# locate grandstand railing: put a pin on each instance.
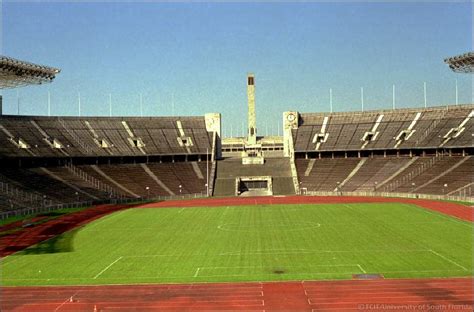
(84, 204)
(22, 198)
(90, 179)
(141, 200)
(391, 194)
(45, 209)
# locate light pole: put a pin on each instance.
(180, 189)
(445, 186)
(375, 186)
(147, 191)
(207, 172)
(49, 103)
(413, 186)
(330, 99)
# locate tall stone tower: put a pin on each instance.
(252, 120)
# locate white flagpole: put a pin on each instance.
(207, 171)
(49, 103)
(172, 103)
(424, 94)
(18, 102)
(393, 97)
(457, 102)
(110, 104)
(79, 102)
(330, 99)
(362, 97)
(141, 105)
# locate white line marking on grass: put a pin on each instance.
(181, 210)
(306, 251)
(273, 274)
(449, 260)
(286, 266)
(157, 279)
(360, 267)
(234, 227)
(271, 251)
(197, 272)
(107, 267)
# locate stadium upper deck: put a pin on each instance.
(437, 127)
(99, 136)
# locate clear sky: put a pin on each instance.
(197, 55)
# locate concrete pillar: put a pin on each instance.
(290, 122)
(213, 124)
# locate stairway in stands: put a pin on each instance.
(231, 168)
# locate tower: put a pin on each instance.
(252, 121)
(252, 153)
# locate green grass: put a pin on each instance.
(250, 243)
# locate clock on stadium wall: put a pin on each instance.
(291, 117)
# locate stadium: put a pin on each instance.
(367, 210)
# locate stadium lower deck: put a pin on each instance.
(441, 294)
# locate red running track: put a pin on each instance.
(448, 294)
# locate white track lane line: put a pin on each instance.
(66, 301)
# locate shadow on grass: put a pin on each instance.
(57, 244)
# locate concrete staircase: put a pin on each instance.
(230, 169)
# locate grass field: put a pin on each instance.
(250, 243)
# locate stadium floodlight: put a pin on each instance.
(463, 63)
(16, 73)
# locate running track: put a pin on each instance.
(447, 294)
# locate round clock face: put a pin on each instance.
(290, 117)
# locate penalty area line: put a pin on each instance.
(449, 260)
(108, 267)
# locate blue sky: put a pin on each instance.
(197, 55)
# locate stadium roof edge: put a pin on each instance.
(16, 73)
(415, 109)
(463, 63)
